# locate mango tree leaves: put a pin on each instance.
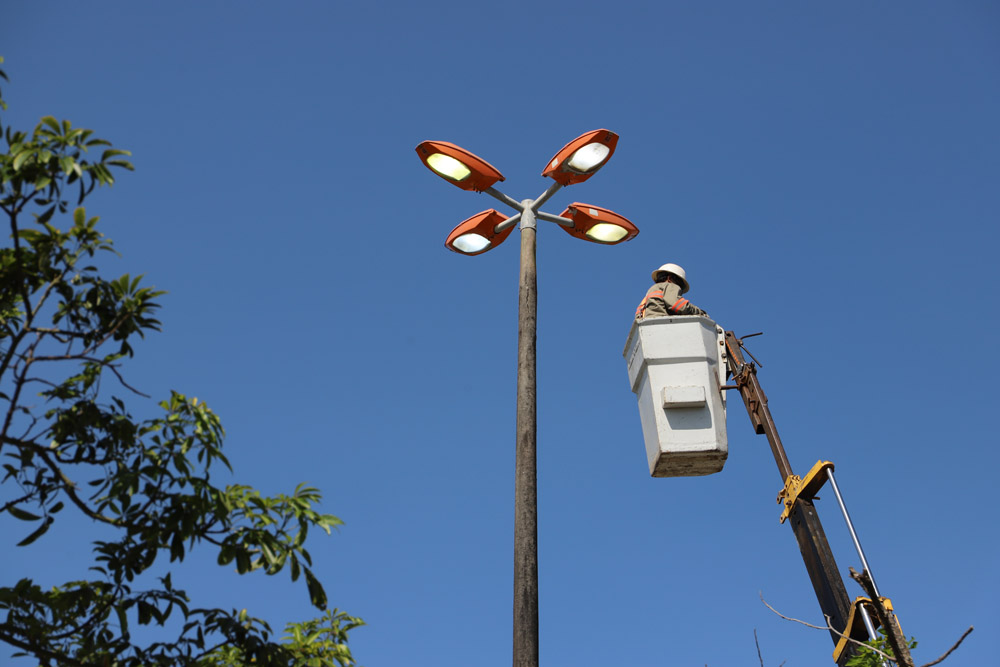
(68, 442)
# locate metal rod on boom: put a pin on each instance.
(869, 626)
(850, 527)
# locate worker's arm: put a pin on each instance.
(678, 305)
(684, 307)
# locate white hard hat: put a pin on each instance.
(675, 271)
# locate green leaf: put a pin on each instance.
(51, 122)
(47, 215)
(145, 612)
(316, 593)
(35, 535)
(22, 515)
(21, 158)
(122, 620)
(242, 562)
(111, 152)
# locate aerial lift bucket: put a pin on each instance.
(676, 368)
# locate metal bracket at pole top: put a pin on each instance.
(527, 215)
(798, 487)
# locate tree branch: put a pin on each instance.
(874, 650)
(890, 625)
(37, 651)
(18, 386)
(16, 501)
(54, 331)
(949, 651)
(69, 486)
(827, 627)
(81, 356)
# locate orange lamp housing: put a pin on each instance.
(593, 223)
(581, 158)
(478, 234)
(458, 166)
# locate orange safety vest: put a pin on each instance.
(642, 304)
(678, 305)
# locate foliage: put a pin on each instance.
(865, 658)
(70, 449)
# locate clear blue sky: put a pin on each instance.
(826, 172)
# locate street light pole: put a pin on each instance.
(526, 477)
(574, 163)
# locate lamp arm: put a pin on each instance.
(558, 219)
(552, 189)
(510, 201)
(508, 223)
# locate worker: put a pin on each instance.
(664, 298)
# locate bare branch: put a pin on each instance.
(33, 312)
(16, 501)
(826, 627)
(875, 650)
(893, 633)
(759, 656)
(16, 396)
(69, 486)
(80, 356)
(53, 331)
(125, 384)
(949, 651)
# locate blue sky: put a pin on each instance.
(826, 173)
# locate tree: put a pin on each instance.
(70, 448)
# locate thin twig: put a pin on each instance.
(948, 652)
(759, 656)
(884, 655)
(827, 627)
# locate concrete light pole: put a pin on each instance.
(525, 465)
(576, 162)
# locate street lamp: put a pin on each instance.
(479, 233)
(593, 223)
(574, 163)
(458, 166)
(581, 158)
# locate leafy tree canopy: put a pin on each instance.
(70, 449)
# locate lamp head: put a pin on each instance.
(478, 234)
(458, 166)
(598, 225)
(581, 158)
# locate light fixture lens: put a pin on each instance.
(471, 243)
(448, 167)
(605, 232)
(588, 158)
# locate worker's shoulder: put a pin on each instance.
(671, 292)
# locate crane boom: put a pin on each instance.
(816, 554)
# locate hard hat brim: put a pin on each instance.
(683, 283)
